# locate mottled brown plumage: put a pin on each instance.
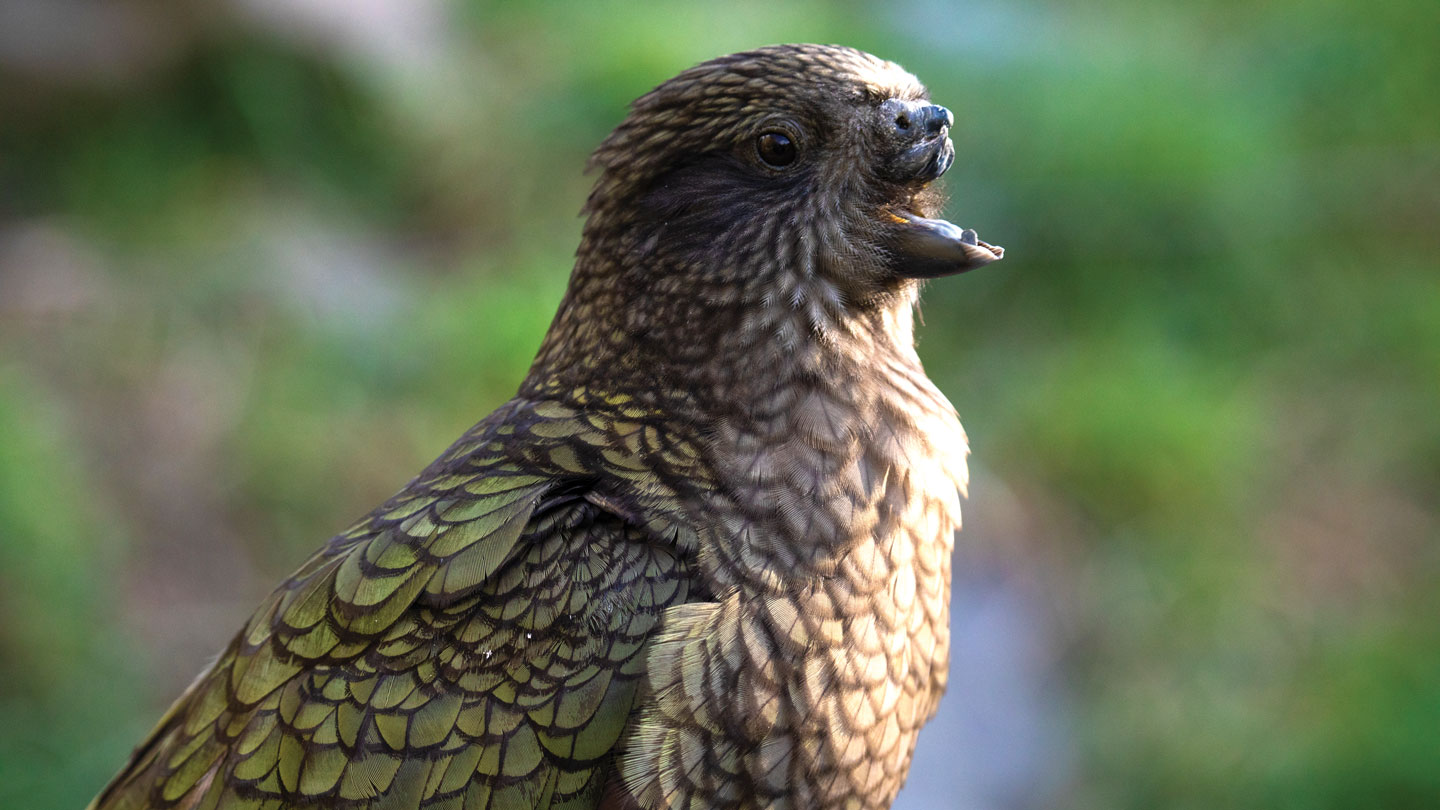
(702, 558)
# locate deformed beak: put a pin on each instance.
(918, 132)
(929, 248)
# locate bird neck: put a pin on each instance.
(814, 414)
(723, 344)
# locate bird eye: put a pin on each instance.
(776, 149)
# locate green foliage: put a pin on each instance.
(55, 626)
(249, 289)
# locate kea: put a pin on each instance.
(702, 558)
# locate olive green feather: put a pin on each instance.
(474, 642)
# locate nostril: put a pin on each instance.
(911, 120)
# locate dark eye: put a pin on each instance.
(776, 149)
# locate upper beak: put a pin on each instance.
(919, 134)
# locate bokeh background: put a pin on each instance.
(260, 260)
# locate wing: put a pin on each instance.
(474, 643)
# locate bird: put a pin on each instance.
(702, 558)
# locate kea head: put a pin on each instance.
(787, 165)
(752, 209)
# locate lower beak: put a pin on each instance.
(929, 248)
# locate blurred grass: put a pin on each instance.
(258, 275)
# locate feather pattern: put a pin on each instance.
(474, 642)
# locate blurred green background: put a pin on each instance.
(260, 260)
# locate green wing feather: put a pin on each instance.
(473, 643)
